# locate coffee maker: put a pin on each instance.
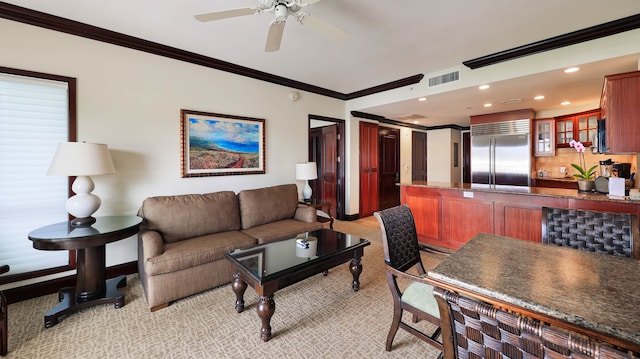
(623, 170)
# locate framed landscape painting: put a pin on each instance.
(217, 145)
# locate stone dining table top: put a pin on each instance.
(600, 292)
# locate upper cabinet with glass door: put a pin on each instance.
(581, 127)
(544, 141)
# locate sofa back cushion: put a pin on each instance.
(266, 205)
(191, 215)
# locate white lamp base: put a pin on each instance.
(306, 191)
(83, 204)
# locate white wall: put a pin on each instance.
(131, 101)
(439, 154)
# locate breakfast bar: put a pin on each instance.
(593, 295)
(448, 215)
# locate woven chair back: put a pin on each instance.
(480, 330)
(600, 232)
(399, 237)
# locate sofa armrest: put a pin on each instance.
(306, 214)
(152, 244)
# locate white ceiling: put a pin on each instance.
(388, 41)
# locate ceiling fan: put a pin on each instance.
(281, 10)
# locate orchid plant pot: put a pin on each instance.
(586, 185)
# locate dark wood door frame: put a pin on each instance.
(340, 210)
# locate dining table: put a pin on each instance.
(592, 294)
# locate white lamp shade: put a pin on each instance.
(81, 159)
(306, 171)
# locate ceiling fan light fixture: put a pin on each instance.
(281, 12)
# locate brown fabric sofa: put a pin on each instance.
(183, 238)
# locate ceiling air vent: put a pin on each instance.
(511, 101)
(443, 79)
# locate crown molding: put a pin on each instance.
(382, 119)
(572, 38)
(56, 23)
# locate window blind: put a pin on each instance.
(34, 118)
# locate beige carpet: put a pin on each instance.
(321, 317)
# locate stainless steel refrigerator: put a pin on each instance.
(501, 153)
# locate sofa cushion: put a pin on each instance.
(284, 229)
(191, 215)
(266, 205)
(196, 251)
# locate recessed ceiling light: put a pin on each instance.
(572, 69)
(422, 99)
(539, 97)
(564, 103)
(483, 87)
(416, 122)
(487, 105)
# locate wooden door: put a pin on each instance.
(315, 155)
(418, 156)
(368, 168)
(389, 163)
(329, 179)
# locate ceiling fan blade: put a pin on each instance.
(225, 14)
(321, 26)
(274, 37)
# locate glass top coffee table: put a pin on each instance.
(273, 266)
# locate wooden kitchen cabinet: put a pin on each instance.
(463, 218)
(581, 127)
(544, 137)
(620, 105)
(426, 212)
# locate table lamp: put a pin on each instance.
(306, 171)
(82, 160)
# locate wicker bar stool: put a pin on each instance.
(600, 232)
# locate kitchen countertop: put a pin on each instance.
(585, 289)
(536, 191)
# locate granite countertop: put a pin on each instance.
(534, 191)
(595, 291)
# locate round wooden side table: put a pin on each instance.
(92, 288)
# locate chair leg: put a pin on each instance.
(3, 339)
(397, 317)
(3, 326)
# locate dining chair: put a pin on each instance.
(402, 253)
(3, 317)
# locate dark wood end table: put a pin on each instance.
(324, 206)
(91, 287)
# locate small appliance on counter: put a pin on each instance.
(601, 183)
(622, 170)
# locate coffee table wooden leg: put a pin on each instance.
(239, 287)
(266, 308)
(356, 269)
